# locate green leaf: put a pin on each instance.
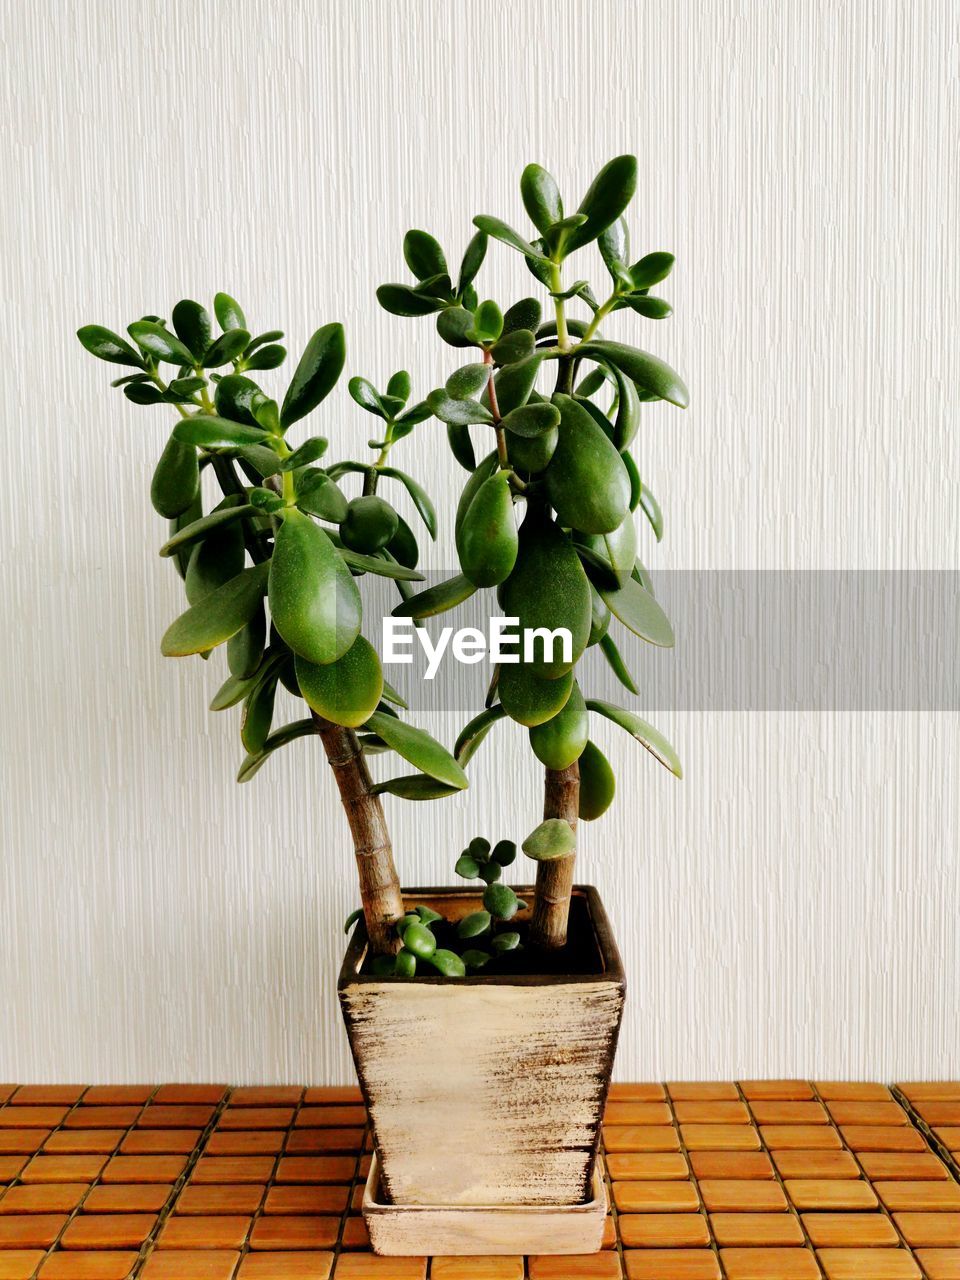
(472, 261)
(227, 347)
(245, 649)
(314, 601)
(269, 357)
(473, 925)
(541, 197)
(401, 300)
(504, 853)
(352, 919)
(346, 692)
(320, 496)
(312, 449)
(419, 748)
(233, 690)
(559, 234)
(445, 595)
(525, 314)
(514, 346)
(206, 525)
(499, 230)
(487, 322)
(448, 963)
(289, 733)
(418, 495)
(258, 713)
(648, 372)
(597, 784)
(514, 383)
(423, 255)
(192, 323)
(414, 786)
(609, 194)
(501, 901)
(427, 915)
(454, 325)
(554, 838)
(176, 480)
(316, 375)
(228, 313)
(461, 446)
(651, 269)
(530, 699)
(532, 420)
(160, 342)
(391, 695)
(472, 734)
(457, 413)
(238, 397)
(367, 396)
(649, 306)
(479, 848)
(109, 346)
(383, 568)
(216, 433)
(418, 939)
(272, 335)
(468, 868)
(218, 615)
(399, 386)
(651, 509)
(263, 460)
(645, 733)
(468, 381)
(639, 612)
(509, 940)
(473, 958)
(405, 964)
(558, 742)
(419, 412)
(628, 411)
(614, 250)
(612, 654)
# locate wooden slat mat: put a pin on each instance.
(756, 1180)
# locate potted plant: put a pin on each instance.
(483, 1023)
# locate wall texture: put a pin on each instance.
(790, 907)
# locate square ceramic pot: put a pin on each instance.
(487, 1090)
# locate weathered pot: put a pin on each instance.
(487, 1090)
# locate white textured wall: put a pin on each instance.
(792, 906)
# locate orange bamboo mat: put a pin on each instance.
(760, 1180)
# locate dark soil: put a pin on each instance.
(580, 957)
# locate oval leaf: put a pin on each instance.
(218, 615)
(314, 600)
(645, 733)
(316, 375)
(419, 748)
(554, 838)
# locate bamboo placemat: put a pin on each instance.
(756, 1180)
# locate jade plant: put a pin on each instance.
(477, 939)
(270, 548)
(255, 522)
(546, 516)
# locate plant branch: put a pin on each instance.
(551, 902)
(379, 883)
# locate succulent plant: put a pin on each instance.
(560, 453)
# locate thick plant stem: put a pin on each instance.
(379, 885)
(551, 903)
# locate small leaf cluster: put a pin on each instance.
(477, 937)
(546, 515)
(271, 564)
